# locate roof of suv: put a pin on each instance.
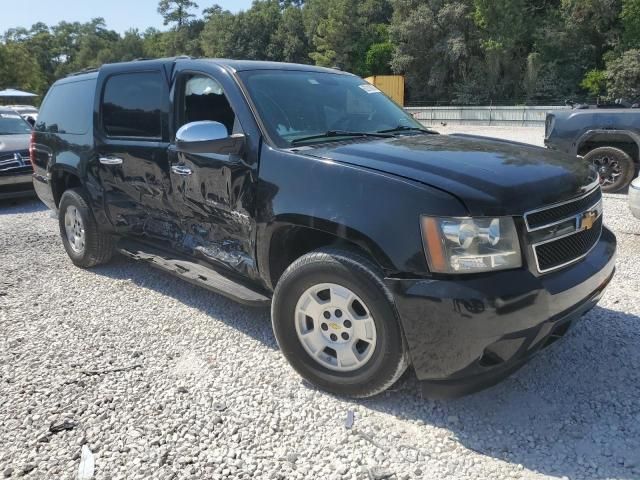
(235, 65)
(242, 65)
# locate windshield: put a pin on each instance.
(13, 124)
(296, 105)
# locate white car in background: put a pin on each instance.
(634, 197)
(28, 112)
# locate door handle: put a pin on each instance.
(181, 170)
(110, 160)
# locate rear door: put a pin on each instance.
(131, 132)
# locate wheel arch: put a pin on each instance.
(288, 239)
(63, 178)
(625, 140)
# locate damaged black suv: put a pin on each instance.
(378, 244)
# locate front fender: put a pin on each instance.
(377, 211)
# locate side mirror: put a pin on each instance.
(208, 137)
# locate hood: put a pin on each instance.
(12, 143)
(490, 176)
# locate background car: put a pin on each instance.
(15, 166)
(634, 197)
(28, 112)
(607, 138)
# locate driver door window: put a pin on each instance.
(203, 99)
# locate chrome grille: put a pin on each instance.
(540, 218)
(563, 233)
(15, 161)
(555, 254)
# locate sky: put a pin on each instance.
(120, 15)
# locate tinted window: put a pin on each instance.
(13, 124)
(132, 105)
(68, 108)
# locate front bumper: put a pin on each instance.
(14, 186)
(467, 333)
(634, 197)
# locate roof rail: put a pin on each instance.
(82, 72)
(95, 69)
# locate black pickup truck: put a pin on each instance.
(378, 244)
(609, 139)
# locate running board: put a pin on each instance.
(193, 273)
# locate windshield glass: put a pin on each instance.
(13, 124)
(294, 105)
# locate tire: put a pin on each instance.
(384, 359)
(96, 247)
(615, 167)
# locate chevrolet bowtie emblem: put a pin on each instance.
(587, 220)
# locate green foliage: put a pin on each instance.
(623, 75)
(176, 11)
(631, 23)
(595, 82)
(462, 51)
(438, 50)
(378, 59)
(19, 69)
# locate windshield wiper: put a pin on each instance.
(340, 133)
(406, 128)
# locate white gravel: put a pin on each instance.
(533, 135)
(207, 395)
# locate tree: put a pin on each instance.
(252, 34)
(595, 82)
(378, 59)
(438, 50)
(290, 39)
(18, 69)
(342, 31)
(630, 17)
(461, 51)
(623, 76)
(176, 11)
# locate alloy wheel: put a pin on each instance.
(335, 327)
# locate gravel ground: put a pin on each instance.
(533, 135)
(163, 380)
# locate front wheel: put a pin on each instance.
(615, 167)
(335, 323)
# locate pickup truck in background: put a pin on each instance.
(609, 139)
(378, 244)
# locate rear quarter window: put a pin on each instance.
(68, 108)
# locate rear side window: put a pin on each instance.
(132, 105)
(68, 108)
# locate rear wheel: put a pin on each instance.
(85, 244)
(335, 322)
(615, 167)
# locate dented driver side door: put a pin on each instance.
(213, 194)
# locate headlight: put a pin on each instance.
(470, 245)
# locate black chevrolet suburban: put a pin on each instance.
(378, 244)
